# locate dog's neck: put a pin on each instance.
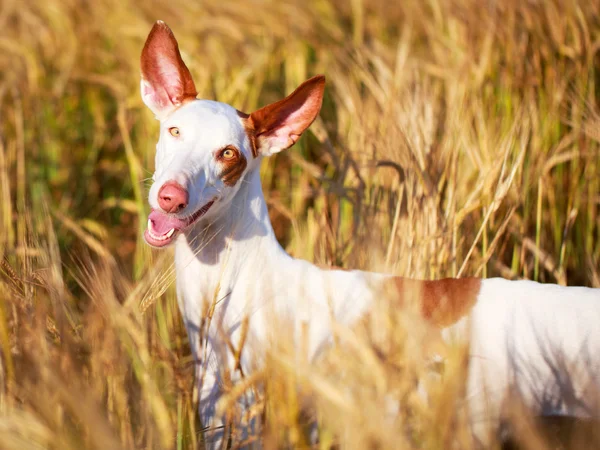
(237, 262)
(221, 252)
(243, 229)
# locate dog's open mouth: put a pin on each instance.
(163, 228)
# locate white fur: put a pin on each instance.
(542, 341)
(231, 260)
(205, 127)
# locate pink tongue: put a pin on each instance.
(162, 224)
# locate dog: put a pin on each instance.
(232, 275)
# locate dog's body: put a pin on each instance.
(233, 277)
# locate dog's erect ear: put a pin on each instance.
(166, 80)
(279, 125)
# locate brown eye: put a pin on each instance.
(227, 153)
(174, 131)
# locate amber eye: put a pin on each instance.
(174, 131)
(227, 153)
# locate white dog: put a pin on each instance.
(543, 340)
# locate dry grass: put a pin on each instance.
(456, 137)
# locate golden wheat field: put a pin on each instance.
(457, 137)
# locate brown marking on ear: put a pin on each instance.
(249, 127)
(161, 54)
(281, 124)
(443, 302)
(233, 168)
(265, 119)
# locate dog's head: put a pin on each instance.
(206, 148)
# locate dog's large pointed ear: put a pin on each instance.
(279, 125)
(166, 80)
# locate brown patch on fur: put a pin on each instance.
(442, 302)
(249, 127)
(233, 168)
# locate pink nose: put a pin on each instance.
(172, 197)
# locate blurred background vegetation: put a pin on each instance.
(457, 137)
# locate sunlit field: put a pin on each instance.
(456, 138)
